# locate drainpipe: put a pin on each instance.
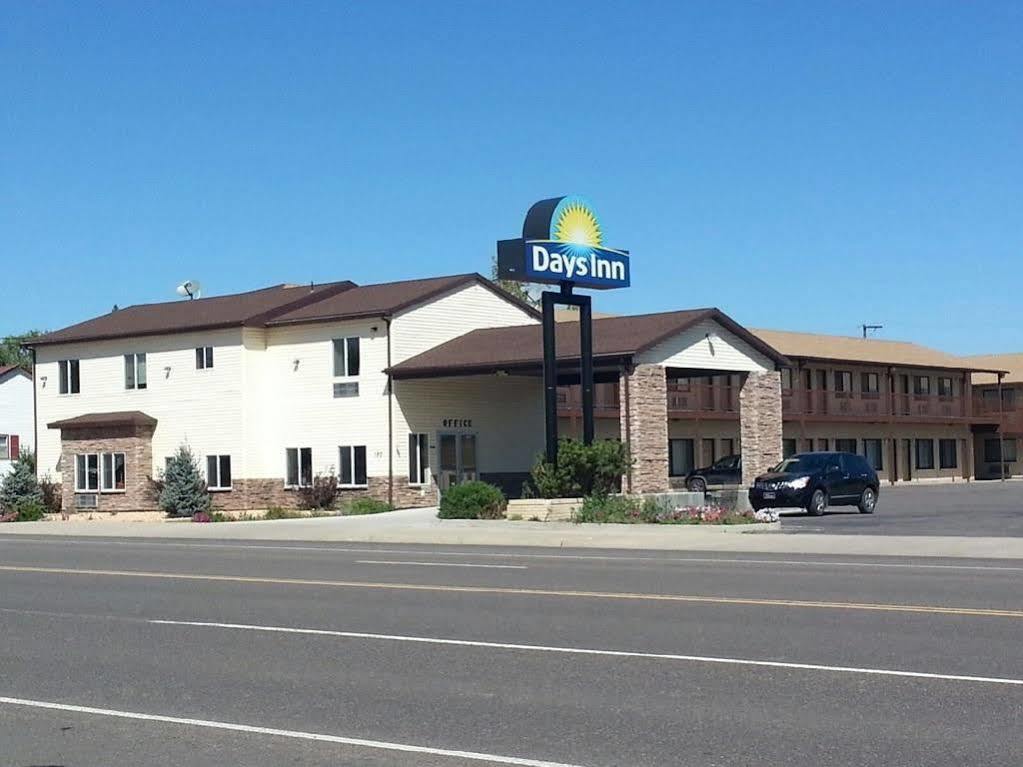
(390, 420)
(35, 413)
(624, 378)
(1001, 430)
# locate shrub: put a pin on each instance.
(321, 494)
(472, 500)
(202, 516)
(625, 510)
(277, 512)
(582, 470)
(52, 497)
(367, 506)
(29, 510)
(20, 485)
(184, 489)
(606, 509)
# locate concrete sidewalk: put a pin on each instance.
(420, 526)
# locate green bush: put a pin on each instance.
(609, 509)
(366, 506)
(582, 470)
(277, 512)
(184, 490)
(30, 510)
(20, 485)
(472, 500)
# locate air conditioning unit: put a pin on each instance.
(85, 500)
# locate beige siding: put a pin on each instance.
(693, 349)
(16, 413)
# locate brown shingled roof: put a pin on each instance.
(92, 420)
(1012, 364)
(521, 346)
(5, 369)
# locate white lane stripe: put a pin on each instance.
(296, 734)
(606, 653)
(18, 538)
(437, 564)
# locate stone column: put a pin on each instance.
(644, 427)
(760, 423)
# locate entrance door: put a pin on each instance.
(907, 454)
(708, 457)
(457, 459)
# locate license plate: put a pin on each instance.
(770, 496)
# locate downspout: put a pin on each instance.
(35, 413)
(625, 377)
(390, 420)
(1001, 430)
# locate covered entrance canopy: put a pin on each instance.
(640, 353)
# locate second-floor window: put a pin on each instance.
(70, 382)
(869, 383)
(843, 381)
(346, 357)
(203, 357)
(922, 385)
(945, 388)
(134, 371)
(786, 378)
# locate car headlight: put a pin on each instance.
(798, 483)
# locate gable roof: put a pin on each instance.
(866, 350)
(277, 305)
(1012, 364)
(521, 346)
(9, 371)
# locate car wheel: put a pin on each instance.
(818, 503)
(698, 485)
(868, 501)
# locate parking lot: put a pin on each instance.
(990, 509)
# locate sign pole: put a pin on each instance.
(550, 377)
(586, 358)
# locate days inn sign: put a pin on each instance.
(562, 244)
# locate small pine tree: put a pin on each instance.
(184, 489)
(20, 484)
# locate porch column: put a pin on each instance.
(760, 423)
(644, 426)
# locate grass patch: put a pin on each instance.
(365, 506)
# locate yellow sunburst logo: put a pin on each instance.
(577, 224)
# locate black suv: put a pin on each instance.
(727, 471)
(814, 481)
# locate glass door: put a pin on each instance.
(457, 459)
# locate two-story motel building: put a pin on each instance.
(402, 388)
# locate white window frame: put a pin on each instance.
(132, 359)
(204, 358)
(298, 464)
(64, 368)
(217, 486)
(346, 363)
(419, 449)
(112, 457)
(81, 482)
(5, 447)
(351, 459)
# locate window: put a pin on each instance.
(86, 473)
(869, 383)
(353, 466)
(346, 357)
(843, 381)
(822, 445)
(925, 453)
(204, 357)
(947, 457)
(113, 472)
(5, 447)
(134, 371)
(788, 448)
(299, 467)
(418, 459)
(786, 378)
(874, 453)
(993, 450)
(681, 457)
(845, 445)
(218, 472)
(945, 389)
(921, 385)
(70, 382)
(727, 447)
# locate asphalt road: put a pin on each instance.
(988, 509)
(186, 653)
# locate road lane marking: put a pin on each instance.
(586, 651)
(745, 601)
(437, 564)
(16, 538)
(294, 734)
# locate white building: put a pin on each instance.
(17, 431)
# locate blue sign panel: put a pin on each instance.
(551, 261)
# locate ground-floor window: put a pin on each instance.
(218, 472)
(925, 453)
(727, 447)
(822, 444)
(845, 445)
(947, 454)
(353, 466)
(681, 455)
(5, 447)
(87, 473)
(418, 459)
(874, 453)
(113, 472)
(788, 448)
(993, 450)
(99, 472)
(299, 462)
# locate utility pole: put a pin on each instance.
(867, 327)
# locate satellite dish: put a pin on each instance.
(190, 288)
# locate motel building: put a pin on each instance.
(404, 388)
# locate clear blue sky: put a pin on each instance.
(806, 166)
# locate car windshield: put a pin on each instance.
(800, 464)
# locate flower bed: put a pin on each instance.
(636, 511)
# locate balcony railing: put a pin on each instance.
(872, 404)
